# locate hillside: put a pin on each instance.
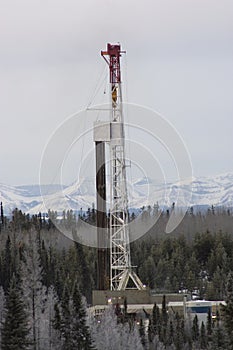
(204, 191)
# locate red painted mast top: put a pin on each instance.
(114, 53)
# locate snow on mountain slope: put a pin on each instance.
(14, 197)
(215, 190)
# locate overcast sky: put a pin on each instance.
(179, 62)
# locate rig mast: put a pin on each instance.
(122, 275)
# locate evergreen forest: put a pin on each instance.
(46, 283)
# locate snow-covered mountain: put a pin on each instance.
(204, 191)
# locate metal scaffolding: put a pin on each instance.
(121, 271)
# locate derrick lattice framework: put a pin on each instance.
(122, 275)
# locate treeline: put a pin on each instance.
(197, 257)
(194, 221)
(173, 331)
(44, 276)
(37, 313)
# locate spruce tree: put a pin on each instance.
(85, 280)
(142, 333)
(228, 311)
(57, 318)
(50, 339)
(2, 216)
(203, 340)
(7, 265)
(164, 317)
(170, 333)
(195, 329)
(80, 330)
(150, 331)
(33, 290)
(66, 318)
(15, 330)
(218, 339)
(2, 308)
(179, 332)
(56, 340)
(156, 320)
(209, 324)
(108, 333)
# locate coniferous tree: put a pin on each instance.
(80, 330)
(150, 332)
(2, 307)
(108, 333)
(49, 336)
(157, 344)
(218, 339)
(2, 217)
(33, 290)
(170, 334)
(7, 264)
(84, 270)
(15, 329)
(203, 340)
(164, 319)
(47, 279)
(56, 340)
(66, 319)
(179, 337)
(142, 333)
(228, 311)
(209, 325)
(57, 317)
(155, 323)
(195, 329)
(58, 283)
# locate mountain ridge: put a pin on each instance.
(201, 191)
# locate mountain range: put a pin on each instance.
(201, 191)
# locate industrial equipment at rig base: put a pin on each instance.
(114, 269)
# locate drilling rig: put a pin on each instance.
(116, 280)
(115, 271)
